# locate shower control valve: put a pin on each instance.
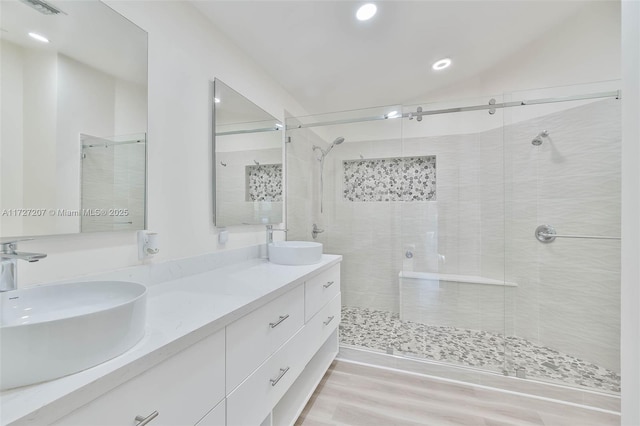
(316, 231)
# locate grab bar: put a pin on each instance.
(547, 234)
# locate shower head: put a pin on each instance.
(325, 152)
(337, 141)
(537, 141)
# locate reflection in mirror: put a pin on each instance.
(247, 161)
(113, 174)
(74, 119)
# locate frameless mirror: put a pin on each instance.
(74, 119)
(247, 161)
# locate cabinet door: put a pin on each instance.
(182, 389)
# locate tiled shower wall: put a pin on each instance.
(445, 235)
(303, 185)
(568, 296)
(493, 189)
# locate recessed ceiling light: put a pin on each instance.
(39, 37)
(216, 100)
(441, 64)
(366, 12)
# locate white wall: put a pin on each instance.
(631, 213)
(185, 53)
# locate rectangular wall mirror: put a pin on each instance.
(74, 119)
(247, 161)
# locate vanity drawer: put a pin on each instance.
(320, 289)
(182, 389)
(254, 399)
(322, 325)
(256, 336)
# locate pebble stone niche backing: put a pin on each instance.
(381, 330)
(390, 179)
(264, 182)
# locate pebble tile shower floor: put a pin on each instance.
(380, 330)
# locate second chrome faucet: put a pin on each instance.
(270, 231)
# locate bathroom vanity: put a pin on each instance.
(244, 344)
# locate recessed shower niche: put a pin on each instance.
(390, 179)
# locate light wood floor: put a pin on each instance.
(358, 395)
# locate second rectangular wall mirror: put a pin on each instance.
(248, 184)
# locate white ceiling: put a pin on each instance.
(329, 61)
(88, 31)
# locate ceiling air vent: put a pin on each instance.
(42, 7)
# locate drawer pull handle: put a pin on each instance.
(144, 420)
(329, 320)
(275, 381)
(328, 284)
(280, 319)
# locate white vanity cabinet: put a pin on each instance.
(280, 387)
(181, 389)
(259, 369)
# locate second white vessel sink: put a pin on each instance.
(295, 252)
(54, 330)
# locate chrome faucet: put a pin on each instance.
(9, 263)
(270, 232)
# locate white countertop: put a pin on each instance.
(180, 312)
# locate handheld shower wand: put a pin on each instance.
(324, 153)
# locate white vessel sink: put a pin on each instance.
(55, 330)
(295, 252)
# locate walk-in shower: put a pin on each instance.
(435, 214)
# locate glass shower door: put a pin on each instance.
(563, 177)
(453, 293)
